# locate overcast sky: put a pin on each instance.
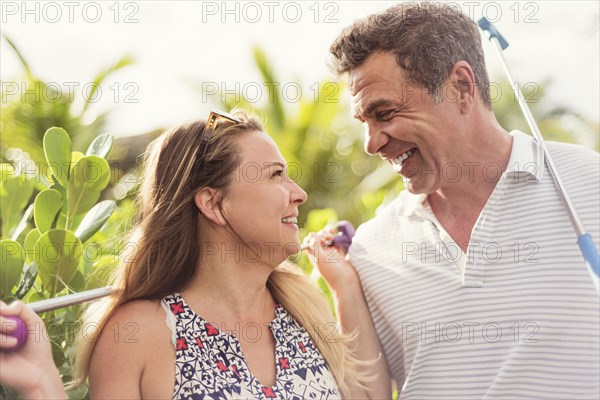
(177, 42)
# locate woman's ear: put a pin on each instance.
(207, 200)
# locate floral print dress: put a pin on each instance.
(209, 363)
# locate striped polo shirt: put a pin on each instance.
(521, 318)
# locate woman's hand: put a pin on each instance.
(331, 261)
(29, 370)
(352, 311)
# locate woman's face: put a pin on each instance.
(262, 202)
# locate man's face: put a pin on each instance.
(404, 125)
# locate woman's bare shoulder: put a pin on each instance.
(135, 330)
(139, 311)
(133, 325)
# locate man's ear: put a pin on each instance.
(207, 200)
(464, 77)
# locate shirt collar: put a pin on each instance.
(526, 157)
(413, 203)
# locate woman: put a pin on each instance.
(206, 287)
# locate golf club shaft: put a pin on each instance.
(573, 217)
(70, 299)
(584, 240)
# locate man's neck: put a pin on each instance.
(457, 205)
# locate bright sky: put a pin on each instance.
(210, 43)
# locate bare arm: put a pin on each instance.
(353, 312)
(117, 361)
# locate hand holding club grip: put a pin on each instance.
(20, 332)
(343, 238)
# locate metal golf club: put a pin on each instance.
(584, 239)
(20, 332)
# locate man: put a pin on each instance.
(473, 276)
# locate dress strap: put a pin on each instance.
(171, 319)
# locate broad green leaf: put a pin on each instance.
(15, 191)
(60, 223)
(76, 156)
(57, 148)
(57, 253)
(90, 175)
(80, 204)
(30, 239)
(33, 296)
(94, 219)
(47, 204)
(101, 146)
(77, 284)
(27, 280)
(90, 172)
(60, 324)
(58, 354)
(12, 258)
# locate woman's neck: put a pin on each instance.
(231, 288)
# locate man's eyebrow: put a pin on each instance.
(371, 107)
(270, 164)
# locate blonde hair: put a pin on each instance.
(166, 248)
(292, 289)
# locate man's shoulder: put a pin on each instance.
(575, 162)
(582, 154)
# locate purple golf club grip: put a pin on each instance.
(20, 334)
(344, 237)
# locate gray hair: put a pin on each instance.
(427, 40)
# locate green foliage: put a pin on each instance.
(13, 258)
(87, 178)
(94, 219)
(46, 207)
(57, 149)
(316, 220)
(57, 253)
(31, 106)
(15, 191)
(49, 259)
(559, 123)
